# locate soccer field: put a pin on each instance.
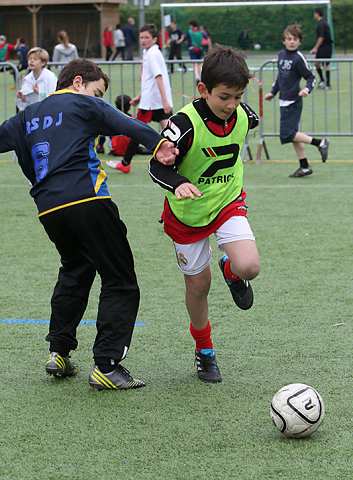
(178, 428)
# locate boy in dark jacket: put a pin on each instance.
(292, 67)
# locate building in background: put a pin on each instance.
(40, 20)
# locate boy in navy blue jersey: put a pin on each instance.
(55, 142)
(292, 67)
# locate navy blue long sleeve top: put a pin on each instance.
(292, 67)
(55, 141)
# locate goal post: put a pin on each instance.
(203, 7)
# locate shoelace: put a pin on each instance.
(206, 360)
(125, 371)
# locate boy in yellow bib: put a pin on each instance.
(204, 194)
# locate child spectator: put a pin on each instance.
(244, 41)
(205, 195)
(119, 42)
(64, 51)
(174, 44)
(322, 47)
(54, 141)
(206, 41)
(5, 48)
(166, 39)
(292, 67)
(193, 38)
(108, 42)
(22, 52)
(40, 82)
(155, 98)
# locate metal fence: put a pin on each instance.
(325, 112)
(328, 113)
(7, 82)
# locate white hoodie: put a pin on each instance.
(63, 54)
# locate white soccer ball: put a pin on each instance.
(257, 46)
(297, 410)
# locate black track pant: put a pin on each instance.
(90, 238)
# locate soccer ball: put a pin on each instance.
(297, 410)
(257, 46)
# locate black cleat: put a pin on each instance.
(206, 364)
(302, 172)
(323, 148)
(240, 289)
(59, 366)
(118, 379)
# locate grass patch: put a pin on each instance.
(179, 428)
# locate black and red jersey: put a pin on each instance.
(180, 131)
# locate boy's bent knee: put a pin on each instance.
(248, 269)
(253, 270)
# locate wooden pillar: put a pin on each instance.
(108, 15)
(34, 9)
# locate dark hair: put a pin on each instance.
(88, 70)
(223, 65)
(122, 102)
(293, 30)
(319, 11)
(22, 40)
(193, 23)
(151, 28)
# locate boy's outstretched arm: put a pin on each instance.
(165, 152)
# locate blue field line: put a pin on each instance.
(38, 322)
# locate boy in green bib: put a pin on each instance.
(204, 194)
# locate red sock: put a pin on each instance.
(202, 337)
(228, 272)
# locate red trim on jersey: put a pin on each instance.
(181, 233)
(218, 129)
(211, 152)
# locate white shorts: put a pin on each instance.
(193, 258)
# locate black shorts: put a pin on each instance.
(290, 118)
(324, 52)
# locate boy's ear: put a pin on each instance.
(202, 90)
(77, 82)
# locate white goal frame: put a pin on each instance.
(244, 4)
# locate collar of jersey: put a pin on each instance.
(64, 90)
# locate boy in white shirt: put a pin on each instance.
(40, 82)
(155, 99)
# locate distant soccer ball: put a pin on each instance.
(297, 410)
(257, 46)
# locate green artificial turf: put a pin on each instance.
(178, 428)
